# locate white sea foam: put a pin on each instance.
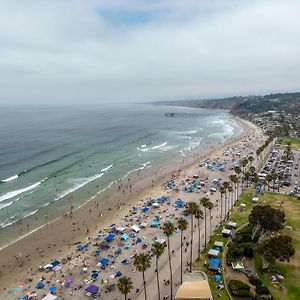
(159, 146)
(107, 168)
(143, 146)
(146, 163)
(10, 178)
(6, 204)
(21, 191)
(80, 182)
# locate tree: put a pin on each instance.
(238, 172)
(280, 178)
(157, 249)
(230, 191)
(222, 192)
(269, 179)
(251, 159)
(276, 248)
(266, 219)
(168, 229)
(210, 206)
(199, 216)
(125, 285)
(204, 202)
(142, 262)
(225, 186)
(234, 180)
(192, 207)
(182, 226)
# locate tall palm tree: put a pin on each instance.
(269, 179)
(199, 216)
(157, 249)
(125, 285)
(168, 229)
(234, 180)
(230, 192)
(210, 206)
(182, 226)
(222, 192)
(225, 186)
(245, 162)
(204, 202)
(142, 262)
(192, 207)
(251, 159)
(238, 172)
(280, 178)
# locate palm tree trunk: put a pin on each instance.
(144, 283)
(157, 278)
(210, 223)
(199, 239)
(192, 236)
(181, 234)
(170, 266)
(205, 228)
(125, 297)
(221, 208)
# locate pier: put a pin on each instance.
(194, 115)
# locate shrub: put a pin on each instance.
(255, 281)
(262, 290)
(239, 288)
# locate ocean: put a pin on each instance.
(52, 159)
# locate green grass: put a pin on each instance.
(291, 270)
(295, 142)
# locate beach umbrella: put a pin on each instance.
(104, 261)
(93, 289)
(127, 246)
(40, 285)
(138, 240)
(95, 276)
(69, 280)
(118, 274)
(52, 289)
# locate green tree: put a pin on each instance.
(192, 207)
(142, 262)
(238, 171)
(182, 226)
(230, 192)
(210, 206)
(276, 248)
(234, 180)
(225, 186)
(125, 285)
(168, 230)
(204, 202)
(222, 192)
(199, 216)
(158, 250)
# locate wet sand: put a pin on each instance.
(56, 238)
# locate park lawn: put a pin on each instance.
(295, 142)
(240, 217)
(291, 270)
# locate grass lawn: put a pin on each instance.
(295, 142)
(240, 217)
(291, 270)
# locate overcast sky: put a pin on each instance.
(72, 51)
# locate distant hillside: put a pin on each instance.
(283, 102)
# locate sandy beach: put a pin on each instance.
(57, 239)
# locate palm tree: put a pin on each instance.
(269, 179)
(142, 262)
(193, 207)
(238, 172)
(157, 249)
(251, 159)
(199, 216)
(225, 186)
(230, 191)
(280, 178)
(210, 206)
(234, 179)
(168, 229)
(222, 192)
(125, 285)
(182, 226)
(204, 201)
(247, 175)
(245, 162)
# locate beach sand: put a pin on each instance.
(57, 238)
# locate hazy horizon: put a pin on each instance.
(93, 52)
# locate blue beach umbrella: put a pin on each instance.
(40, 285)
(52, 288)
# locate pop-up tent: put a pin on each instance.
(214, 264)
(110, 237)
(92, 289)
(124, 237)
(49, 297)
(237, 266)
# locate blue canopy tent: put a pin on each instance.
(110, 237)
(155, 224)
(179, 203)
(120, 250)
(118, 274)
(104, 245)
(145, 210)
(138, 240)
(214, 264)
(53, 288)
(124, 237)
(217, 278)
(40, 285)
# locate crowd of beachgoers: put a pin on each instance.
(93, 265)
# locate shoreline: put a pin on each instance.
(48, 242)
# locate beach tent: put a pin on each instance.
(104, 261)
(237, 266)
(214, 264)
(218, 245)
(68, 280)
(217, 278)
(155, 224)
(49, 297)
(40, 285)
(126, 261)
(124, 237)
(144, 224)
(255, 200)
(52, 288)
(118, 274)
(231, 224)
(136, 228)
(95, 275)
(110, 237)
(156, 205)
(97, 252)
(213, 252)
(92, 289)
(120, 229)
(226, 232)
(104, 245)
(127, 246)
(138, 240)
(196, 290)
(145, 210)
